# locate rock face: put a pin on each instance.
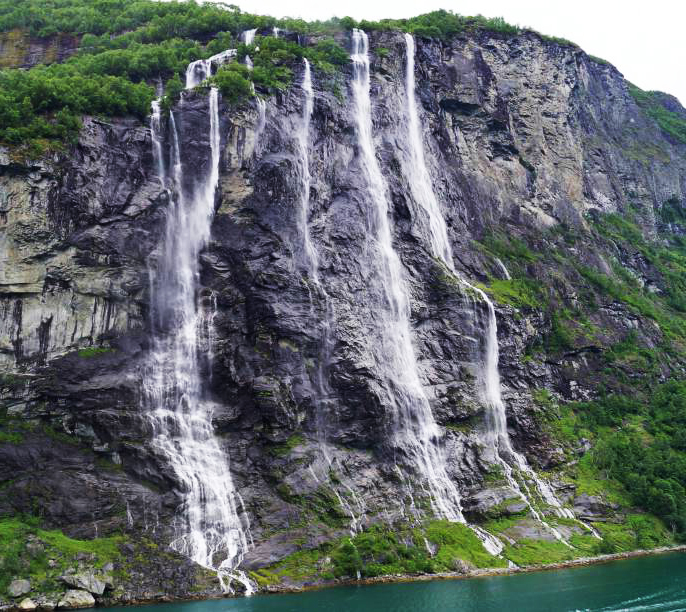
(86, 581)
(519, 133)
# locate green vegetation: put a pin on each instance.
(670, 123)
(94, 351)
(534, 552)
(383, 550)
(126, 45)
(282, 450)
(15, 560)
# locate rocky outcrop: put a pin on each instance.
(74, 599)
(519, 133)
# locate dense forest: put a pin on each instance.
(126, 50)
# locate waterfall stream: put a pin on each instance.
(198, 71)
(415, 432)
(496, 420)
(209, 529)
(311, 262)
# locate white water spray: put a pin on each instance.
(198, 71)
(248, 36)
(209, 529)
(415, 431)
(497, 435)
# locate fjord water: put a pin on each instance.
(648, 583)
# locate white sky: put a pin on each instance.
(645, 40)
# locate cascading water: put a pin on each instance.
(209, 529)
(415, 431)
(198, 71)
(303, 136)
(310, 258)
(422, 191)
(248, 36)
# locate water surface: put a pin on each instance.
(646, 583)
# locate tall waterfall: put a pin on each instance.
(209, 529)
(420, 182)
(415, 431)
(303, 136)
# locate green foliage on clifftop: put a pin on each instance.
(670, 123)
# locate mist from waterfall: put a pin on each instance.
(496, 419)
(209, 529)
(415, 432)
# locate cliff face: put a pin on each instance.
(523, 138)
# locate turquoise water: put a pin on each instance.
(647, 583)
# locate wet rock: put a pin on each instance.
(75, 598)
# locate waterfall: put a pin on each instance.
(275, 32)
(415, 431)
(503, 269)
(303, 137)
(209, 529)
(156, 132)
(198, 71)
(248, 36)
(496, 421)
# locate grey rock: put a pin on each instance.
(19, 587)
(88, 581)
(27, 604)
(75, 598)
(593, 506)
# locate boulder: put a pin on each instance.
(592, 506)
(27, 604)
(75, 598)
(87, 580)
(492, 503)
(19, 587)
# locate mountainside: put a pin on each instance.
(308, 324)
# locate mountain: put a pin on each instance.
(353, 300)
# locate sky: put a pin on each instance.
(645, 40)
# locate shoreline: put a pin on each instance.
(398, 578)
(395, 578)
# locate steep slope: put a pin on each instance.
(560, 192)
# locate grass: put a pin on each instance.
(94, 351)
(458, 542)
(15, 562)
(285, 449)
(516, 292)
(535, 552)
(383, 550)
(670, 123)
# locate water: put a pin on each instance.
(648, 583)
(497, 435)
(303, 139)
(208, 528)
(198, 71)
(248, 36)
(415, 432)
